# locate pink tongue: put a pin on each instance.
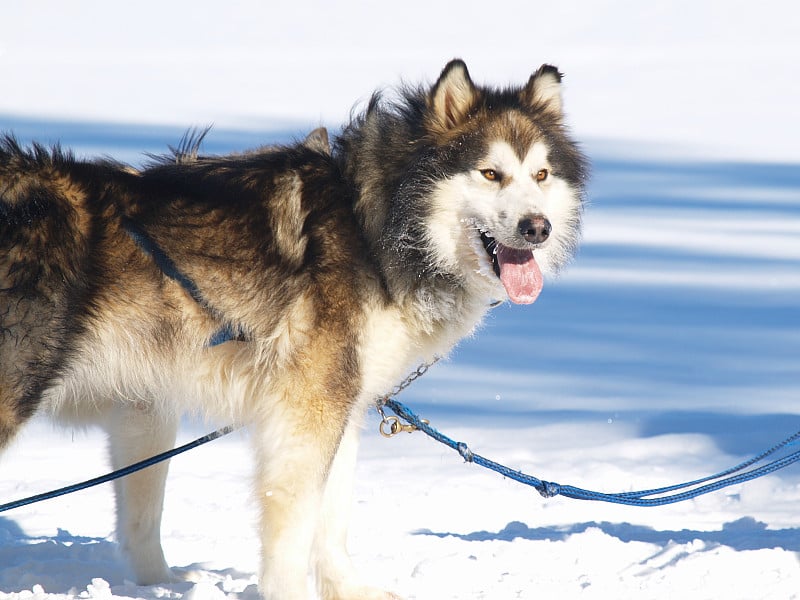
(520, 274)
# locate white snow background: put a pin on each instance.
(669, 350)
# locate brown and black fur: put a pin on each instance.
(325, 262)
(70, 275)
(65, 256)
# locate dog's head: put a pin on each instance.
(509, 204)
(467, 189)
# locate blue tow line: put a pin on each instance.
(548, 489)
(143, 464)
(654, 497)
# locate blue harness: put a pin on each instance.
(228, 332)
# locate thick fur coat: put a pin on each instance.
(338, 268)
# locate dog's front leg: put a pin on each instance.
(294, 453)
(336, 578)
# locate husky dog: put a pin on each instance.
(337, 268)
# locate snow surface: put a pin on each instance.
(669, 350)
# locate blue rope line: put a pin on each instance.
(653, 497)
(149, 462)
(548, 489)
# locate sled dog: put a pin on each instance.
(336, 266)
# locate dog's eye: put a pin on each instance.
(490, 174)
(542, 174)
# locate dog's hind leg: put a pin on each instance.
(21, 385)
(135, 434)
(46, 241)
(9, 422)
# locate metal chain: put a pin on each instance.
(391, 426)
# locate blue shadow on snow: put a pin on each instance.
(743, 534)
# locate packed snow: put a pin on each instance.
(669, 349)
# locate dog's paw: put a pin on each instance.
(377, 594)
(361, 593)
(371, 594)
(159, 576)
(190, 574)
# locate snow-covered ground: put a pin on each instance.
(669, 350)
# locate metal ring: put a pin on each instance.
(393, 423)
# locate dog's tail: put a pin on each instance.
(45, 234)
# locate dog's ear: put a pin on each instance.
(452, 96)
(318, 140)
(543, 91)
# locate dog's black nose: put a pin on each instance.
(535, 229)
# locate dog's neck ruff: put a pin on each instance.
(162, 260)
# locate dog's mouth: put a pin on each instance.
(517, 269)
